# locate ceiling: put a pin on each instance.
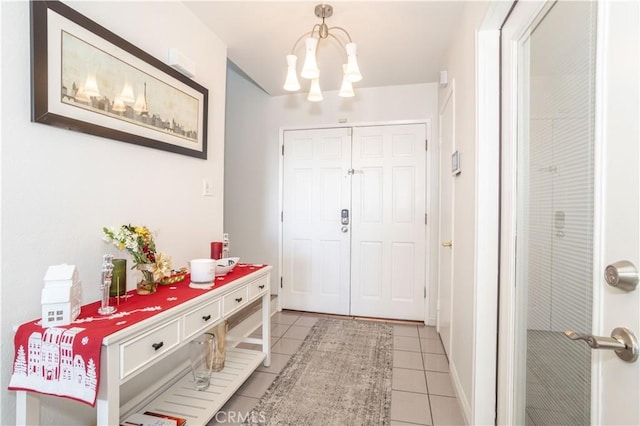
(399, 42)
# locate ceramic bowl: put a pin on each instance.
(226, 265)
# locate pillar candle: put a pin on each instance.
(119, 278)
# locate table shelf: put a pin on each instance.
(198, 407)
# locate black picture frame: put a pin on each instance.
(170, 112)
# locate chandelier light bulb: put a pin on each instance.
(291, 83)
(310, 68)
(353, 71)
(315, 94)
(346, 90)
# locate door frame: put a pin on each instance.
(431, 202)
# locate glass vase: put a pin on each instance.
(146, 284)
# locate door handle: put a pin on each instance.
(447, 244)
(622, 341)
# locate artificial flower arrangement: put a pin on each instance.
(138, 241)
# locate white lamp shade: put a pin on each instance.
(310, 68)
(353, 71)
(346, 90)
(315, 94)
(291, 83)
(91, 86)
(127, 94)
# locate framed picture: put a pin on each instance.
(455, 163)
(88, 79)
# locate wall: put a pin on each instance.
(461, 67)
(252, 153)
(59, 188)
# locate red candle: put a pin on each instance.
(216, 250)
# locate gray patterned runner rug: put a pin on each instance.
(341, 376)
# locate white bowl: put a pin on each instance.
(225, 265)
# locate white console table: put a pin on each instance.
(134, 349)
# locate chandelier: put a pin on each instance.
(310, 70)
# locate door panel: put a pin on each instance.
(316, 253)
(388, 230)
(570, 108)
(384, 274)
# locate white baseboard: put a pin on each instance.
(465, 407)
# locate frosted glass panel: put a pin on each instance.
(555, 219)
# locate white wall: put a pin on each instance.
(252, 153)
(59, 188)
(461, 67)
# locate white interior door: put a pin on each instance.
(388, 224)
(316, 253)
(445, 263)
(571, 206)
(374, 263)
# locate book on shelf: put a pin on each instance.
(148, 419)
(179, 421)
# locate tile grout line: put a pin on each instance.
(424, 373)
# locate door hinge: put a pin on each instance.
(281, 216)
(425, 292)
(426, 144)
(280, 282)
(283, 150)
(425, 218)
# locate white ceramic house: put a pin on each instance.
(61, 295)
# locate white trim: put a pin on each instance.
(599, 189)
(518, 22)
(487, 188)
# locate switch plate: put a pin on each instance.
(206, 188)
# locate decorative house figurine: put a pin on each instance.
(61, 295)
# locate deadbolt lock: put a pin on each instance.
(622, 274)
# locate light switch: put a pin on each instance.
(207, 191)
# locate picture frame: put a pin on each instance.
(455, 163)
(87, 79)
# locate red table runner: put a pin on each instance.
(65, 360)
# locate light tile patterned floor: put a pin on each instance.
(422, 393)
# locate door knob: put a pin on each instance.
(622, 341)
(622, 274)
(447, 244)
(345, 229)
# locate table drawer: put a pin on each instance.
(201, 318)
(137, 353)
(235, 300)
(258, 287)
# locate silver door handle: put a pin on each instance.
(622, 341)
(345, 229)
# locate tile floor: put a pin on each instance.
(421, 394)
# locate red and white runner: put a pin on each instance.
(65, 361)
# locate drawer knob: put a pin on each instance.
(206, 317)
(261, 286)
(157, 346)
(239, 299)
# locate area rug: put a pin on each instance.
(341, 375)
